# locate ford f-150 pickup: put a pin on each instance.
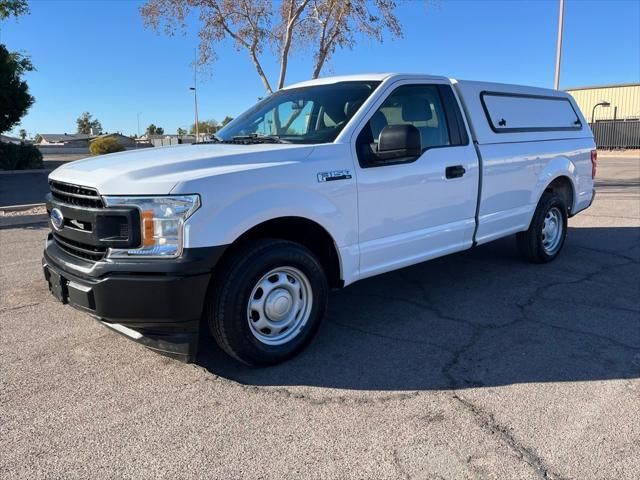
(317, 186)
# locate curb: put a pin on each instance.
(31, 170)
(19, 208)
(23, 221)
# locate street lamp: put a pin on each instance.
(556, 83)
(195, 90)
(602, 103)
(195, 99)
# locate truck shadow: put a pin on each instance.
(478, 318)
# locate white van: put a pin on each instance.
(319, 185)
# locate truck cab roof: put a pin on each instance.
(365, 77)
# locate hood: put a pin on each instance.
(156, 171)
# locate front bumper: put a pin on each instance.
(156, 303)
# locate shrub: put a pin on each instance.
(100, 146)
(19, 157)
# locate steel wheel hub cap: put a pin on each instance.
(552, 227)
(279, 306)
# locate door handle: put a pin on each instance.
(454, 172)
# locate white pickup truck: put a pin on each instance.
(319, 185)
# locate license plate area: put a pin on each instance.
(57, 285)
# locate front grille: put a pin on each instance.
(75, 195)
(124, 230)
(89, 228)
(80, 250)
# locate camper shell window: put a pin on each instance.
(513, 112)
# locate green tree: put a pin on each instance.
(181, 131)
(15, 99)
(206, 126)
(86, 123)
(226, 120)
(153, 130)
(13, 8)
(22, 133)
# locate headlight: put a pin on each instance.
(161, 223)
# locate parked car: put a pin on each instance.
(319, 185)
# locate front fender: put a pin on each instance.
(223, 224)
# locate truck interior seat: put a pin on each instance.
(416, 111)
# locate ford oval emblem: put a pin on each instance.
(57, 220)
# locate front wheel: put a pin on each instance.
(545, 237)
(267, 301)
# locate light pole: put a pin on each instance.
(559, 49)
(195, 91)
(603, 103)
(195, 99)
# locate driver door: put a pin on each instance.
(418, 208)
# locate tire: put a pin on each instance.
(540, 245)
(288, 289)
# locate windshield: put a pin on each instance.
(313, 114)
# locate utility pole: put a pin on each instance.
(195, 91)
(559, 50)
(138, 115)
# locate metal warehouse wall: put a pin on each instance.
(625, 97)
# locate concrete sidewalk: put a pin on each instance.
(620, 153)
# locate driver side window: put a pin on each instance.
(416, 105)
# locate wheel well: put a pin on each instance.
(304, 232)
(563, 187)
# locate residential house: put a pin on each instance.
(14, 140)
(77, 140)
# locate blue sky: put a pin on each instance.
(97, 56)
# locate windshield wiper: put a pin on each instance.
(257, 138)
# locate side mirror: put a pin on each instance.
(398, 142)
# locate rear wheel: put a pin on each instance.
(544, 239)
(267, 301)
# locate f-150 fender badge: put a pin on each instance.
(334, 175)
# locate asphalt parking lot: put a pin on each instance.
(476, 365)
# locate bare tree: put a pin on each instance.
(291, 13)
(337, 22)
(206, 126)
(260, 26)
(246, 22)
